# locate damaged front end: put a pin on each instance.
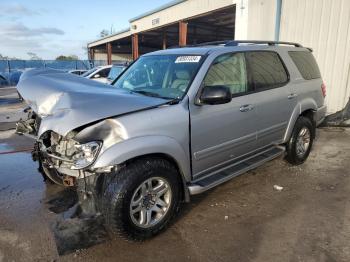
(69, 159)
(30, 126)
(67, 162)
(67, 155)
(62, 159)
(73, 121)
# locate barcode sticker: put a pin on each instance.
(188, 59)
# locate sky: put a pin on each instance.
(50, 28)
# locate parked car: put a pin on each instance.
(77, 71)
(116, 70)
(177, 123)
(98, 73)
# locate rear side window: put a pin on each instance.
(266, 69)
(306, 64)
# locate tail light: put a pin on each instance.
(323, 88)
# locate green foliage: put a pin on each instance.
(69, 57)
(33, 56)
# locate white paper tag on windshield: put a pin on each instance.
(188, 59)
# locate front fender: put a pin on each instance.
(140, 146)
(302, 106)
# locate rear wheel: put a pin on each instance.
(140, 200)
(300, 143)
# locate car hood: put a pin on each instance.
(65, 101)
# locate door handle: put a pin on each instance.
(291, 96)
(246, 108)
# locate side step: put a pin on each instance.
(238, 168)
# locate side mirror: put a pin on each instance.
(97, 76)
(215, 95)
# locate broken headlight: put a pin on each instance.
(86, 154)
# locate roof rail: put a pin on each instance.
(260, 42)
(237, 42)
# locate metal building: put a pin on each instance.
(323, 25)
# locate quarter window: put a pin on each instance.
(229, 70)
(266, 69)
(306, 64)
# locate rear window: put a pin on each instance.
(306, 64)
(266, 69)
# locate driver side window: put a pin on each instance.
(229, 70)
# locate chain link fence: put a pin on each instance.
(10, 70)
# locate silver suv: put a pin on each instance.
(175, 123)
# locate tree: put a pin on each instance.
(69, 57)
(33, 56)
(8, 58)
(104, 33)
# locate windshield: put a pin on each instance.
(164, 76)
(89, 72)
(115, 71)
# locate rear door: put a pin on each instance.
(276, 101)
(221, 133)
(310, 83)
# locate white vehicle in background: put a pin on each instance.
(116, 70)
(77, 71)
(98, 73)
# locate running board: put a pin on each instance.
(238, 168)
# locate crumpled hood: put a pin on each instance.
(66, 101)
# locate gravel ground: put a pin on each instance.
(245, 219)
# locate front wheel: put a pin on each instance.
(300, 143)
(140, 200)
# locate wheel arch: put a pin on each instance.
(185, 195)
(306, 108)
(149, 147)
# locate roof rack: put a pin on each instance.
(237, 42)
(259, 42)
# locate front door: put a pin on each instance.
(221, 133)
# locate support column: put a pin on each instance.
(92, 54)
(135, 46)
(164, 39)
(182, 33)
(195, 40)
(109, 53)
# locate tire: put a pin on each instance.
(295, 154)
(124, 186)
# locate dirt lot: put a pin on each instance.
(245, 219)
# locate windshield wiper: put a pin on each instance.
(148, 93)
(174, 101)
